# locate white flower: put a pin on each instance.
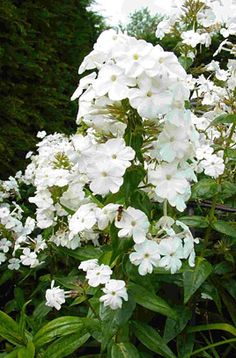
(171, 184)
(98, 275)
(146, 256)
(14, 264)
(135, 57)
(173, 143)
(106, 215)
(189, 241)
(191, 38)
(116, 150)
(2, 257)
(84, 84)
(4, 212)
(213, 166)
(41, 134)
(115, 291)
(113, 82)
(204, 152)
(88, 265)
(55, 296)
(151, 98)
(5, 245)
(172, 251)
(105, 177)
(133, 223)
(83, 219)
(29, 258)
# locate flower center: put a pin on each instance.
(146, 255)
(133, 223)
(104, 174)
(114, 156)
(113, 293)
(168, 177)
(135, 56)
(113, 78)
(149, 94)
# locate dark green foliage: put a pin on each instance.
(42, 44)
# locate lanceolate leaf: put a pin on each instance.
(174, 327)
(61, 326)
(10, 330)
(225, 228)
(194, 221)
(151, 339)
(151, 301)
(27, 352)
(195, 276)
(64, 346)
(113, 320)
(224, 118)
(124, 350)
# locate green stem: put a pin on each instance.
(92, 309)
(210, 219)
(229, 139)
(227, 341)
(165, 208)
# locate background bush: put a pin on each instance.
(42, 43)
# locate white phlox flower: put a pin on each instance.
(115, 291)
(55, 296)
(171, 251)
(146, 256)
(133, 223)
(98, 275)
(83, 219)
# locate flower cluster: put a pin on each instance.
(114, 290)
(166, 249)
(135, 136)
(197, 22)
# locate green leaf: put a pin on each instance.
(112, 321)
(151, 301)
(228, 190)
(174, 327)
(132, 179)
(9, 329)
(83, 253)
(214, 326)
(140, 200)
(58, 327)
(185, 344)
(185, 61)
(23, 317)
(27, 352)
(194, 221)
(231, 153)
(195, 276)
(224, 118)
(124, 350)
(151, 339)
(65, 346)
(225, 228)
(205, 189)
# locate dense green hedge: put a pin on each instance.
(42, 43)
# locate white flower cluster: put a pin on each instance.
(166, 249)
(77, 179)
(97, 275)
(156, 86)
(212, 17)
